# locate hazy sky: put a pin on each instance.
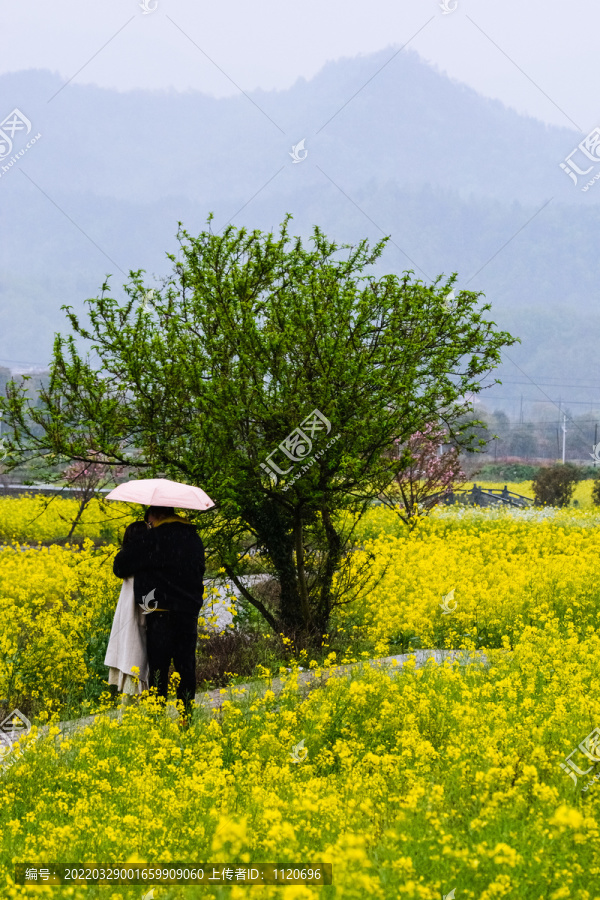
(497, 48)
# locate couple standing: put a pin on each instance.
(156, 620)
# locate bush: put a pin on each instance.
(554, 486)
(233, 653)
(596, 491)
(588, 473)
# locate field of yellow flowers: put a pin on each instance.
(32, 518)
(501, 570)
(582, 494)
(415, 782)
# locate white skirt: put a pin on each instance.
(126, 684)
(127, 645)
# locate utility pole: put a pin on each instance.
(595, 443)
(564, 430)
(521, 414)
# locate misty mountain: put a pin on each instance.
(460, 182)
(409, 123)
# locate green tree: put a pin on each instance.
(257, 354)
(523, 441)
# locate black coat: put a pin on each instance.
(169, 559)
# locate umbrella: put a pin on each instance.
(161, 492)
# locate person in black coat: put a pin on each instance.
(168, 564)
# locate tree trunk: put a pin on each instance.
(303, 590)
(302, 617)
(82, 505)
(274, 534)
(332, 562)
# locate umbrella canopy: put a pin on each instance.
(161, 492)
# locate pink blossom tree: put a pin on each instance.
(86, 479)
(429, 474)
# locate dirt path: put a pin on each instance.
(308, 680)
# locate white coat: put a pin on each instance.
(127, 644)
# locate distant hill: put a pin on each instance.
(454, 177)
(409, 124)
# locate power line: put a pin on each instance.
(553, 377)
(593, 387)
(551, 423)
(515, 399)
(25, 362)
(549, 399)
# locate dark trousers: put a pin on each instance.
(170, 636)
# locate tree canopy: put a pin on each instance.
(274, 374)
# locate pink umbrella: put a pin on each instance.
(161, 492)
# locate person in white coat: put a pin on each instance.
(126, 649)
